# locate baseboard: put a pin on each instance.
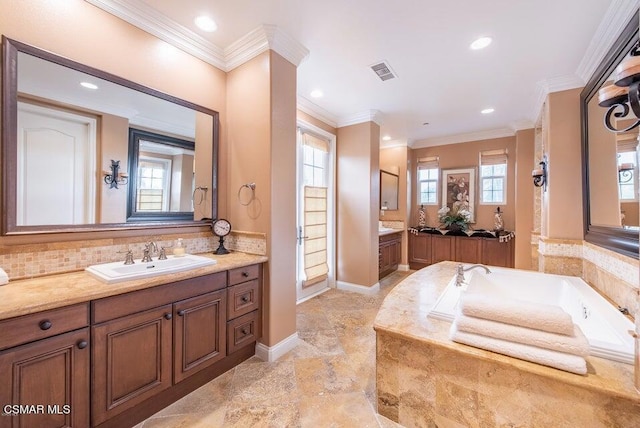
(272, 353)
(304, 299)
(403, 268)
(357, 288)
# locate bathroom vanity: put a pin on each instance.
(389, 252)
(110, 355)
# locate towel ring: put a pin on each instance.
(203, 194)
(252, 187)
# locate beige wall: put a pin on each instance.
(114, 137)
(562, 202)
(396, 159)
(466, 155)
(315, 122)
(631, 215)
(358, 202)
(525, 145)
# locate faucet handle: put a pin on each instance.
(163, 254)
(128, 258)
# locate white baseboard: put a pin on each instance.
(272, 353)
(403, 268)
(357, 288)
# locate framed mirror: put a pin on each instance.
(388, 191)
(63, 125)
(610, 160)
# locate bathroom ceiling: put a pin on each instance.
(537, 46)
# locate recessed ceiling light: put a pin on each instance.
(317, 93)
(386, 138)
(480, 43)
(88, 85)
(487, 111)
(205, 23)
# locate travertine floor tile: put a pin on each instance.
(338, 410)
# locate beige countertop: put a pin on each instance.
(389, 231)
(404, 313)
(27, 296)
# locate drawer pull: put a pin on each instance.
(168, 316)
(244, 299)
(181, 312)
(244, 331)
(245, 274)
(45, 325)
(82, 344)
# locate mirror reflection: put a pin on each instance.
(72, 121)
(388, 191)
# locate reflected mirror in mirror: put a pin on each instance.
(65, 122)
(388, 191)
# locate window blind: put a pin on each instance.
(428, 162)
(629, 144)
(493, 157)
(315, 142)
(316, 268)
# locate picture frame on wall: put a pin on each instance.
(459, 190)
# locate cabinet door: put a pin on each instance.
(442, 248)
(468, 250)
(396, 253)
(496, 253)
(52, 373)
(131, 361)
(419, 250)
(200, 333)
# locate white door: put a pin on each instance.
(56, 167)
(315, 201)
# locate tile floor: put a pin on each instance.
(328, 380)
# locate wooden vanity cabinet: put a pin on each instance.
(52, 372)
(389, 253)
(244, 316)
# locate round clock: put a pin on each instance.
(221, 228)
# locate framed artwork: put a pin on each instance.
(459, 190)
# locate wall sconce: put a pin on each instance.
(625, 172)
(624, 94)
(540, 174)
(115, 177)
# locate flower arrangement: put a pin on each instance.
(454, 219)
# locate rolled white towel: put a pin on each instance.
(539, 316)
(576, 344)
(558, 360)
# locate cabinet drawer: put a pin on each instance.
(243, 298)
(247, 273)
(28, 328)
(242, 331)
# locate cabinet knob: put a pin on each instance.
(245, 274)
(181, 312)
(244, 331)
(82, 344)
(244, 299)
(45, 325)
(168, 316)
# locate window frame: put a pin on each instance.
(633, 181)
(419, 182)
(493, 177)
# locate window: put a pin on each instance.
(428, 172)
(153, 175)
(627, 170)
(314, 164)
(493, 174)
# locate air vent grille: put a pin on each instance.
(383, 71)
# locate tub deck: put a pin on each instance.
(423, 378)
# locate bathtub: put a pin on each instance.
(604, 326)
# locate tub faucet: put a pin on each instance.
(460, 270)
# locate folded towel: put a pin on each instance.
(558, 360)
(576, 344)
(539, 316)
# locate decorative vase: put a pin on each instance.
(498, 223)
(455, 227)
(422, 217)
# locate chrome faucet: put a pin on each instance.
(460, 270)
(150, 248)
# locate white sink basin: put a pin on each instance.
(118, 271)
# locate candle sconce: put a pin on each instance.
(115, 177)
(540, 174)
(625, 172)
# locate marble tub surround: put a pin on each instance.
(27, 296)
(33, 260)
(424, 379)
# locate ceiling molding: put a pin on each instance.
(393, 144)
(139, 14)
(313, 110)
(521, 124)
(464, 138)
(362, 117)
(619, 13)
(548, 86)
(143, 16)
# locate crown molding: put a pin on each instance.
(313, 110)
(261, 39)
(393, 144)
(139, 14)
(362, 117)
(265, 37)
(548, 86)
(464, 138)
(619, 13)
(521, 124)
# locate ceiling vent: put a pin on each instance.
(383, 71)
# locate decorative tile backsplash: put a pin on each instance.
(28, 261)
(393, 224)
